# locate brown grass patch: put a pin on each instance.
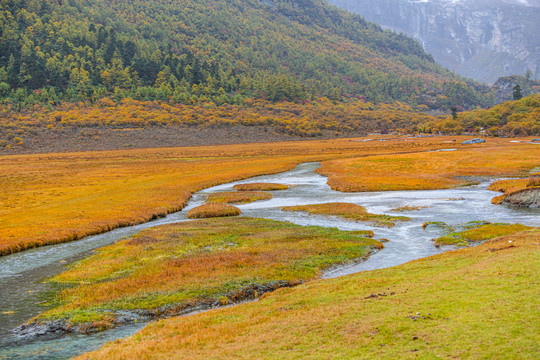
(238, 197)
(213, 210)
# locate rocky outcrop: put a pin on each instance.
(481, 39)
(525, 198)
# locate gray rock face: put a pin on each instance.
(473, 141)
(526, 198)
(481, 39)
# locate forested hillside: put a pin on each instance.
(511, 118)
(212, 51)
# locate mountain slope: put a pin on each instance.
(224, 51)
(482, 39)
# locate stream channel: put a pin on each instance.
(23, 290)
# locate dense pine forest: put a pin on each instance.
(213, 52)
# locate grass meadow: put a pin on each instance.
(58, 197)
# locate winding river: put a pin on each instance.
(23, 292)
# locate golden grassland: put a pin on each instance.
(52, 198)
(238, 197)
(348, 211)
(430, 170)
(260, 187)
(200, 262)
(481, 233)
(512, 186)
(479, 302)
(213, 210)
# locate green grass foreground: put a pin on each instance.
(474, 303)
(348, 211)
(173, 268)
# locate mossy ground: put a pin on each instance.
(348, 211)
(479, 302)
(191, 262)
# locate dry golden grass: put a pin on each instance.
(212, 211)
(348, 211)
(51, 198)
(430, 170)
(238, 197)
(260, 187)
(479, 303)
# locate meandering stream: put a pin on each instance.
(22, 274)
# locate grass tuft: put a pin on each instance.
(212, 211)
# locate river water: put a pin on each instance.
(23, 291)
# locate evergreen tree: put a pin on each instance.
(517, 92)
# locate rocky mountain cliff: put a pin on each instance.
(481, 39)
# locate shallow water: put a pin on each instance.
(22, 274)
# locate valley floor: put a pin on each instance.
(472, 303)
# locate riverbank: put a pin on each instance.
(478, 302)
